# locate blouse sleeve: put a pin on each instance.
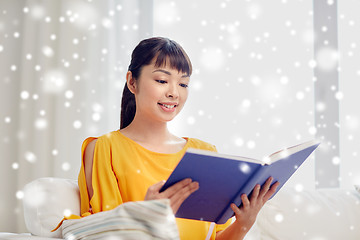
(221, 227)
(106, 193)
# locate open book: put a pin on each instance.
(224, 178)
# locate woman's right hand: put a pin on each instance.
(177, 193)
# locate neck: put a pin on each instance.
(147, 131)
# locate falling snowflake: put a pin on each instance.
(212, 58)
(312, 130)
(19, 194)
(300, 95)
(66, 166)
(48, 51)
(312, 63)
(279, 217)
(36, 11)
(107, 23)
(7, 119)
(320, 106)
(77, 124)
(13, 68)
(67, 212)
(327, 58)
(299, 187)
(339, 95)
(69, 94)
(96, 117)
(246, 103)
(250, 144)
(336, 160)
(244, 168)
(254, 11)
(82, 15)
(239, 142)
(15, 166)
(41, 123)
(165, 13)
(54, 81)
(191, 120)
(30, 157)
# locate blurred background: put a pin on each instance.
(267, 75)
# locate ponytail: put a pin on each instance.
(128, 107)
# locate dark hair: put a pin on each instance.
(162, 49)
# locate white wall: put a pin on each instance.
(349, 45)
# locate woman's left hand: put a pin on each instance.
(248, 211)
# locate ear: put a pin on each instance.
(131, 83)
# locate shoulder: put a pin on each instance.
(107, 139)
(102, 141)
(199, 144)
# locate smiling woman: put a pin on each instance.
(131, 164)
(156, 90)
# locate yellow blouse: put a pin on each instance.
(123, 170)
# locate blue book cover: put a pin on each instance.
(224, 178)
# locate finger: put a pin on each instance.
(153, 191)
(271, 191)
(177, 199)
(185, 192)
(169, 192)
(255, 192)
(157, 186)
(235, 209)
(245, 201)
(266, 186)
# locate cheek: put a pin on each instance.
(149, 94)
(184, 95)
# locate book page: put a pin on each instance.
(291, 150)
(232, 157)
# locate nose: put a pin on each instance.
(172, 91)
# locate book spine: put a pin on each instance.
(247, 189)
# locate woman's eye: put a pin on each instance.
(184, 85)
(161, 81)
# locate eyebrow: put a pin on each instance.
(169, 73)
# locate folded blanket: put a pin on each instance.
(132, 220)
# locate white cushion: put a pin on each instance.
(46, 201)
(318, 214)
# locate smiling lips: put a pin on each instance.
(168, 107)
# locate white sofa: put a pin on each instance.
(328, 214)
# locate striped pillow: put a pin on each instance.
(132, 220)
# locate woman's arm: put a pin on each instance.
(88, 164)
(247, 213)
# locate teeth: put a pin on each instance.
(168, 106)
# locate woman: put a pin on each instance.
(130, 164)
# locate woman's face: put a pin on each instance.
(160, 92)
